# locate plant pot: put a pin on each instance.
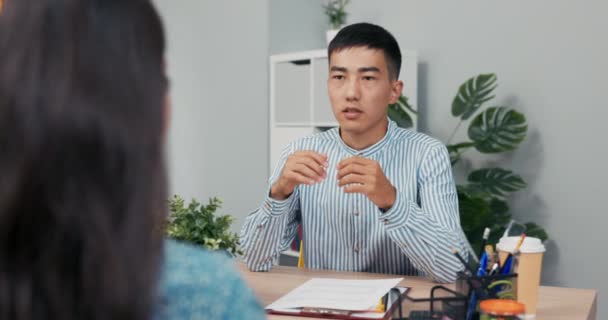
(331, 34)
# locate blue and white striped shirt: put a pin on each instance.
(347, 231)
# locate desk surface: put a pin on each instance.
(554, 303)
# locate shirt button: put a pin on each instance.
(356, 213)
(260, 226)
(356, 248)
(385, 221)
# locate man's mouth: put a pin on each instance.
(352, 113)
(351, 110)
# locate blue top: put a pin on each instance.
(346, 231)
(198, 284)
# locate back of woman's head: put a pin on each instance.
(82, 186)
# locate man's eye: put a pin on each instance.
(337, 77)
(369, 78)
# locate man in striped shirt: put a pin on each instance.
(370, 196)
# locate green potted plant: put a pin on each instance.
(492, 130)
(198, 224)
(402, 112)
(336, 13)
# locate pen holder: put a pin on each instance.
(499, 286)
(446, 303)
(443, 303)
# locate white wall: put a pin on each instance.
(218, 65)
(551, 62)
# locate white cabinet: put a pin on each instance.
(299, 104)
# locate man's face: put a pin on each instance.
(360, 90)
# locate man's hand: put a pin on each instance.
(302, 167)
(360, 175)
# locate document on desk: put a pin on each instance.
(336, 294)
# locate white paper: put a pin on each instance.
(338, 294)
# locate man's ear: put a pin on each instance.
(396, 91)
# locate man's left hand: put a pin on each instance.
(360, 175)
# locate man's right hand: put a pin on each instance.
(301, 167)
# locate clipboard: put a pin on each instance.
(393, 301)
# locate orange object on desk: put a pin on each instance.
(501, 309)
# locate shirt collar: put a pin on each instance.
(390, 131)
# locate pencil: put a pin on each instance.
(507, 264)
(484, 240)
(519, 243)
(301, 255)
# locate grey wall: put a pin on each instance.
(296, 25)
(550, 58)
(218, 65)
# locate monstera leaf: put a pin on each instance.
(472, 94)
(496, 181)
(455, 149)
(498, 129)
(400, 113)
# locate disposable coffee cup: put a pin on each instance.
(527, 264)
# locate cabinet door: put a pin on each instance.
(291, 93)
(321, 108)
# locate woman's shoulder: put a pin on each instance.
(197, 283)
(183, 258)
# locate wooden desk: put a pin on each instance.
(554, 303)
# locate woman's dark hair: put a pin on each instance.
(82, 176)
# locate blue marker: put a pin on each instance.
(483, 264)
(481, 271)
(506, 268)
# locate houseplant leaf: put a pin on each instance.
(402, 118)
(498, 129)
(405, 104)
(401, 112)
(336, 12)
(454, 150)
(472, 94)
(496, 181)
(475, 215)
(533, 230)
(198, 224)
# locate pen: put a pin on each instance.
(481, 271)
(508, 228)
(484, 240)
(325, 311)
(301, 255)
(472, 306)
(506, 267)
(466, 265)
(483, 264)
(494, 269)
(381, 306)
(491, 254)
(519, 243)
